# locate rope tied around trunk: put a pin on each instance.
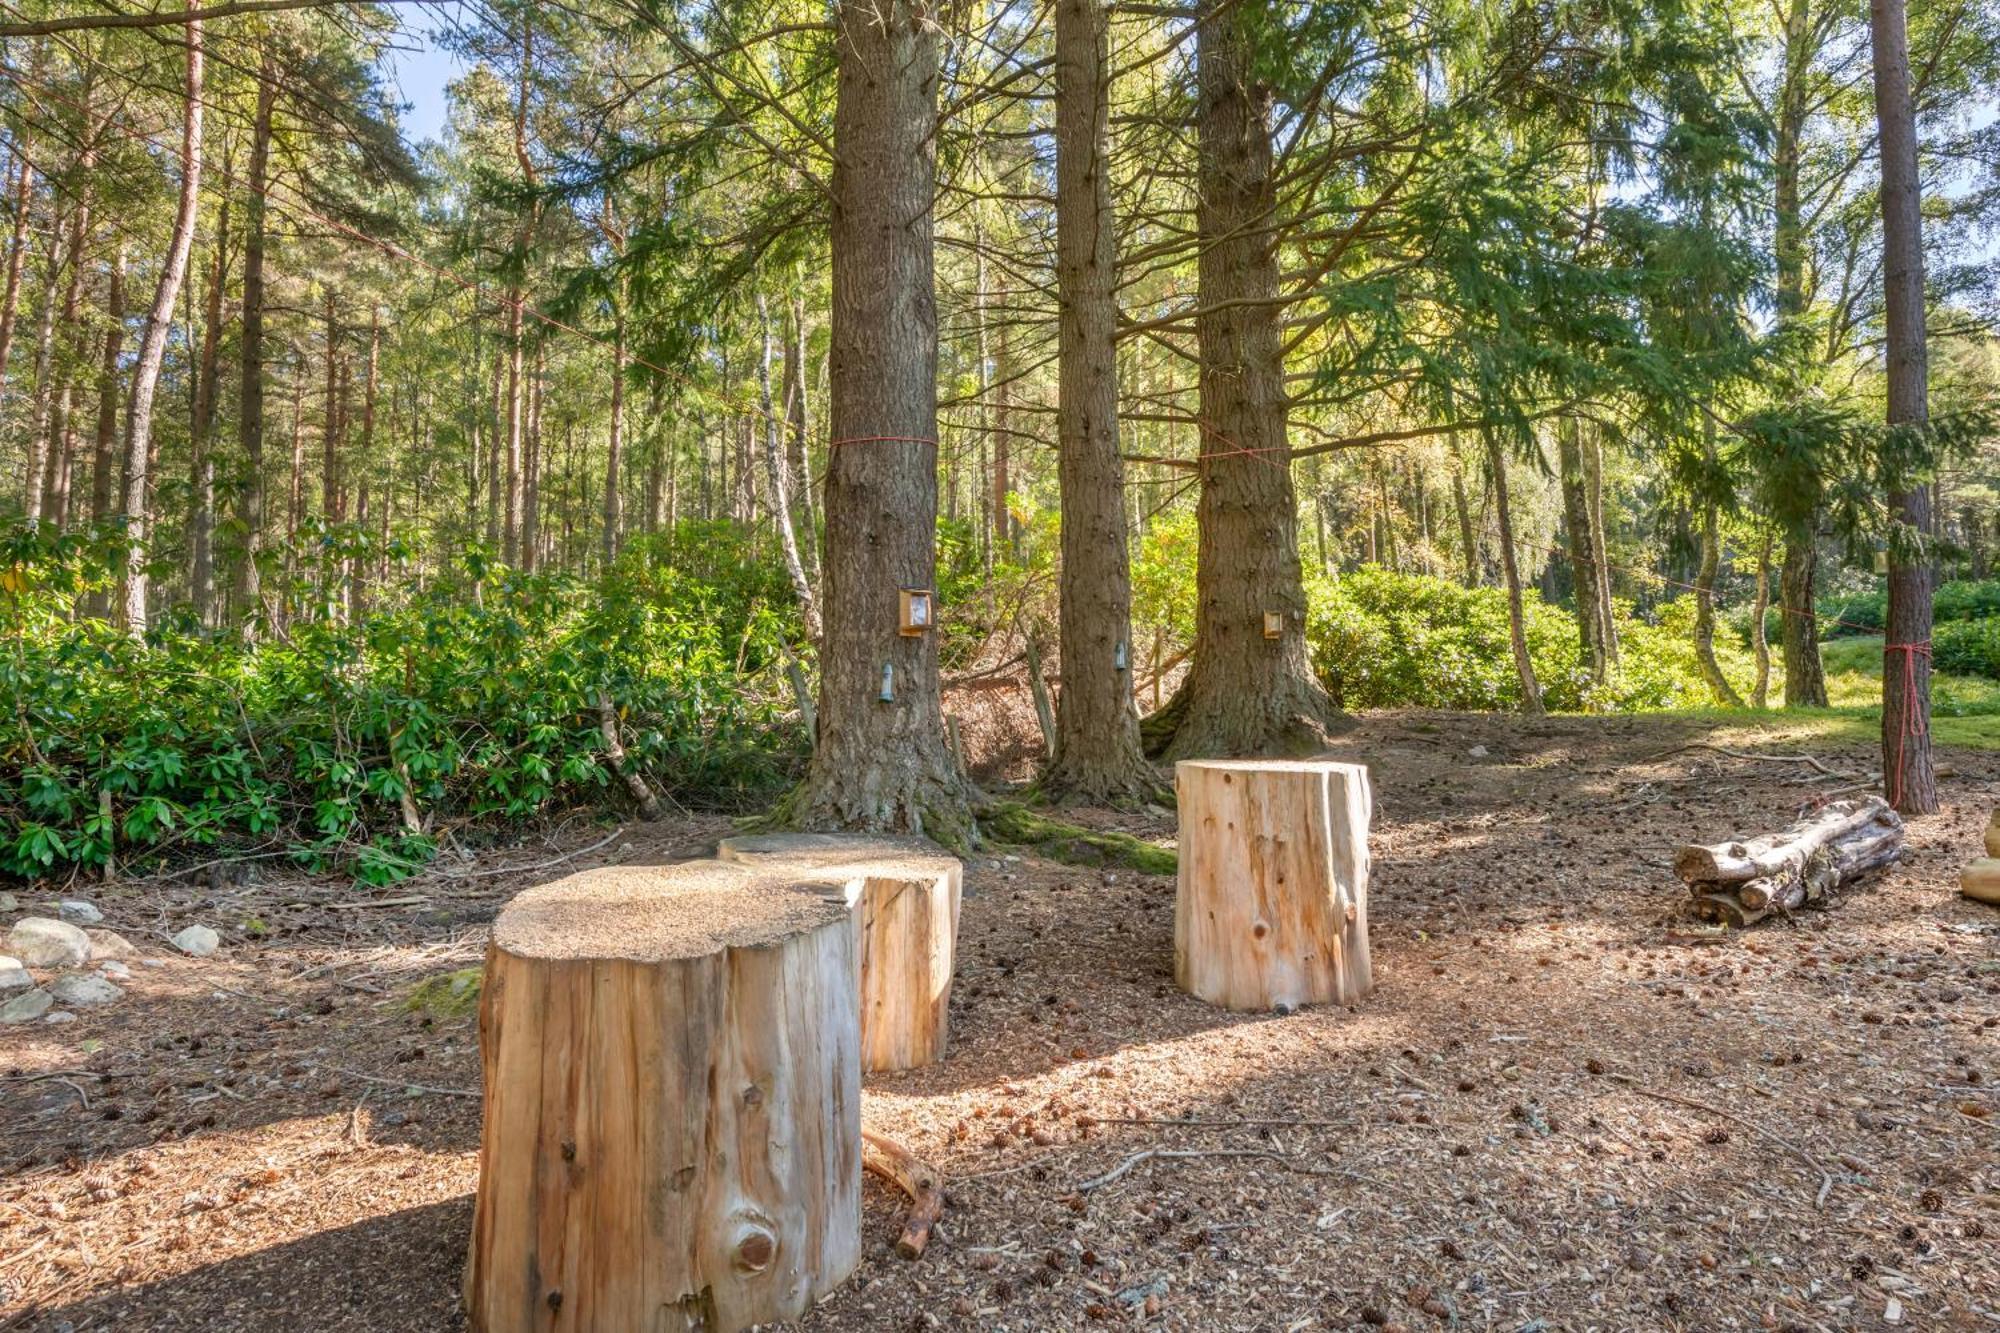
(1909, 722)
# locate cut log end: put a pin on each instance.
(1829, 849)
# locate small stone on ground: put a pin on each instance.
(79, 911)
(110, 944)
(27, 1007)
(197, 941)
(40, 942)
(12, 975)
(84, 990)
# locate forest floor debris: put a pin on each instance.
(1566, 1106)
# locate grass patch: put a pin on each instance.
(448, 994)
(1012, 823)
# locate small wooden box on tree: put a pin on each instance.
(1272, 907)
(672, 1136)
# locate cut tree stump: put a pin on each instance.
(1272, 907)
(1743, 881)
(672, 1136)
(1980, 880)
(906, 894)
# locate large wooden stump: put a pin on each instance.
(1272, 909)
(672, 1138)
(906, 894)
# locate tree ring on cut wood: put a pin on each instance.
(672, 1137)
(906, 893)
(1271, 910)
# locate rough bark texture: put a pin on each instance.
(614, 481)
(906, 894)
(250, 382)
(38, 440)
(201, 431)
(778, 481)
(882, 765)
(1097, 755)
(1510, 570)
(1579, 535)
(1907, 771)
(1760, 641)
(17, 249)
(1805, 680)
(153, 347)
(672, 1137)
(1272, 905)
(1245, 693)
(104, 460)
(1704, 610)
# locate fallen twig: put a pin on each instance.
(538, 865)
(1825, 1176)
(921, 1181)
(1181, 1154)
(401, 1082)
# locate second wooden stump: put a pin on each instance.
(906, 895)
(1272, 906)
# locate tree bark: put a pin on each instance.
(1592, 441)
(1805, 682)
(777, 480)
(103, 462)
(1582, 548)
(1246, 693)
(1907, 772)
(1468, 541)
(882, 764)
(1704, 610)
(153, 346)
(1760, 639)
(798, 452)
(1097, 754)
(250, 386)
(38, 426)
(1510, 570)
(201, 432)
(614, 448)
(17, 252)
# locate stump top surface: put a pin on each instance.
(1273, 765)
(861, 854)
(653, 914)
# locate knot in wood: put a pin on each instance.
(755, 1250)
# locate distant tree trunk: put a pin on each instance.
(882, 763)
(798, 453)
(614, 499)
(103, 460)
(295, 510)
(69, 355)
(778, 482)
(1704, 610)
(515, 432)
(1003, 479)
(1468, 541)
(1593, 474)
(1909, 780)
(1582, 548)
(250, 388)
(531, 466)
(329, 463)
(153, 344)
(17, 250)
(1245, 693)
(38, 426)
(357, 573)
(1510, 570)
(201, 433)
(1760, 640)
(1097, 756)
(1805, 683)
(496, 460)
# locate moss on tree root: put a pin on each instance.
(448, 994)
(1013, 823)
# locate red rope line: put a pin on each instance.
(1910, 724)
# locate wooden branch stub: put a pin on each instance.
(916, 1178)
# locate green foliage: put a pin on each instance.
(1381, 639)
(1967, 648)
(1867, 613)
(475, 707)
(448, 994)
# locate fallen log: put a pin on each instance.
(1739, 860)
(1831, 848)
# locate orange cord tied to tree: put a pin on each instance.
(1909, 723)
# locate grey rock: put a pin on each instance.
(84, 990)
(12, 975)
(9, 903)
(197, 941)
(27, 1007)
(111, 967)
(152, 962)
(110, 944)
(1478, 752)
(60, 1016)
(78, 911)
(39, 942)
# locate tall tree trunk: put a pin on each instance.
(1760, 639)
(1581, 548)
(69, 355)
(1592, 441)
(1097, 755)
(531, 464)
(1003, 480)
(614, 499)
(798, 451)
(881, 762)
(103, 460)
(496, 460)
(1468, 540)
(44, 405)
(329, 463)
(1510, 571)
(201, 434)
(1805, 680)
(1704, 610)
(1247, 692)
(357, 570)
(1909, 779)
(250, 386)
(778, 482)
(153, 345)
(17, 251)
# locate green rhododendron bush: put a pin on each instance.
(478, 701)
(1382, 639)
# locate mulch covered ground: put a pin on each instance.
(1565, 1107)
